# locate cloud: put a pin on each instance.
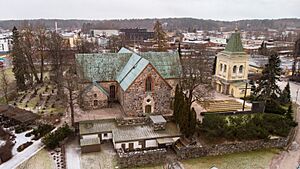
(121, 9)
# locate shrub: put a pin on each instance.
(246, 127)
(23, 146)
(41, 131)
(52, 140)
(5, 151)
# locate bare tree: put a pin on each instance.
(71, 84)
(41, 40)
(28, 44)
(4, 84)
(196, 76)
(58, 50)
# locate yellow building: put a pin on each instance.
(232, 68)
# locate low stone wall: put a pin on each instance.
(141, 158)
(214, 150)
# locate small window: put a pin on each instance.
(241, 69)
(148, 84)
(95, 102)
(221, 67)
(234, 69)
(225, 68)
(123, 146)
(95, 95)
(148, 109)
(105, 135)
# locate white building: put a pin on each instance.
(5, 42)
(104, 33)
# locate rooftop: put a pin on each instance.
(127, 133)
(158, 119)
(234, 44)
(108, 66)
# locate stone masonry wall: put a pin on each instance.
(198, 151)
(134, 96)
(90, 96)
(141, 158)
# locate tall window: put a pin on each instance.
(148, 109)
(221, 67)
(234, 69)
(95, 102)
(148, 84)
(241, 69)
(225, 68)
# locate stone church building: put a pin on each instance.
(232, 67)
(141, 83)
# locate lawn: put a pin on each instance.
(245, 160)
(41, 160)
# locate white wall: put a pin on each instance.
(151, 143)
(135, 145)
(108, 137)
(90, 136)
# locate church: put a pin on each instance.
(142, 83)
(232, 66)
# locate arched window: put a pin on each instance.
(148, 84)
(241, 69)
(225, 68)
(234, 69)
(221, 67)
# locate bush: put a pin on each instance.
(41, 131)
(52, 140)
(272, 106)
(23, 146)
(246, 127)
(21, 129)
(5, 151)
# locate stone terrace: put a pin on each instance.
(106, 113)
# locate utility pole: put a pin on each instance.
(297, 95)
(246, 88)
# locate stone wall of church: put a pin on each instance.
(135, 97)
(173, 83)
(94, 99)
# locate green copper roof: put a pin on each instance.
(234, 44)
(108, 66)
(88, 88)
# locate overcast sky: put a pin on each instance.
(121, 9)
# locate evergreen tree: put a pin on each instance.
(285, 96)
(18, 61)
(159, 36)
(176, 103)
(267, 88)
(289, 113)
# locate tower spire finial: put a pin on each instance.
(236, 27)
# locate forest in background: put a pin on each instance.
(169, 24)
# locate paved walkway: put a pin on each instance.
(291, 157)
(73, 154)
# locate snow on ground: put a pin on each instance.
(73, 154)
(22, 156)
(19, 157)
(2, 142)
(19, 140)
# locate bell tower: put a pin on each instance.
(232, 67)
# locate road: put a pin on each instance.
(290, 158)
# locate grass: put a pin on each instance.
(42, 159)
(245, 160)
